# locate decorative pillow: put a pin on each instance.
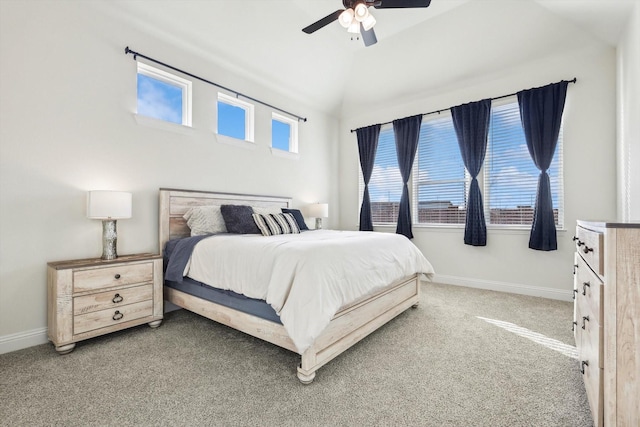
(280, 223)
(265, 211)
(205, 220)
(238, 219)
(298, 216)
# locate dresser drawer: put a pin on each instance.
(98, 278)
(590, 245)
(593, 377)
(591, 353)
(589, 290)
(115, 298)
(113, 316)
(591, 334)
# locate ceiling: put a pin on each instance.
(417, 50)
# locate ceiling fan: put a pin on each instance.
(355, 16)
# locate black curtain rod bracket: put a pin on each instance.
(574, 80)
(236, 93)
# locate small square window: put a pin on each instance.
(284, 133)
(235, 118)
(163, 96)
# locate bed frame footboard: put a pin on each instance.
(356, 322)
(347, 327)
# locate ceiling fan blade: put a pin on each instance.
(396, 4)
(368, 36)
(323, 22)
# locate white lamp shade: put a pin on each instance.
(368, 22)
(346, 18)
(318, 210)
(360, 12)
(354, 28)
(108, 204)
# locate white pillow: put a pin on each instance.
(205, 220)
(266, 210)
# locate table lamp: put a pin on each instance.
(318, 211)
(109, 206)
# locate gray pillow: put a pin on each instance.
(205, 220)
(239, 219)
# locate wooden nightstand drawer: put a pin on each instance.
(112, 316)
(110, 299)
(98, 278)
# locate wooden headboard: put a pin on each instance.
(175, 203)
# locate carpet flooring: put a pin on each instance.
(449, 362)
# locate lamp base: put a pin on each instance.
(109, 239)
(318, 223)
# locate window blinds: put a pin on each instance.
(511, 177)
(440, 182)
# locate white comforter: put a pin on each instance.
(306, 277)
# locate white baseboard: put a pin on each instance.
(13, 342)
(513, 288)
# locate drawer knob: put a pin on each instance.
(585, 285)
(584, 320)
(117, 298)
(575, 267)
(582, 365)
(578, 241)
(117, 276)
(117, 315)
(575, 292)
(587, 249)
(573, 326)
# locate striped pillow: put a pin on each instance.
(272, 224)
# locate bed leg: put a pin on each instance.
(305, 377)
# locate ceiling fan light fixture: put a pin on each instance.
(369, 22)
(346, 18)
(354, 28)
(361, 12)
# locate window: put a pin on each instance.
(284, 133)
(440, 183)
(385, 186)
(511, 177)
(163, 96)
(235, 118)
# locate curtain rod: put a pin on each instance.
(493, 99)
(136, 54)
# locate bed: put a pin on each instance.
(350, 323)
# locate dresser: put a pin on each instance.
(91, 297)
(606, 320)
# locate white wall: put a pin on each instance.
(68, 93)
(506, 263)
(629, 120)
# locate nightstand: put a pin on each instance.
(91, 297)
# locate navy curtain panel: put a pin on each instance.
(407, 133)
(471, 122)
(367, 146)
(541, 115)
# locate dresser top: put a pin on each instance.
(93, 262)
(607, 224)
